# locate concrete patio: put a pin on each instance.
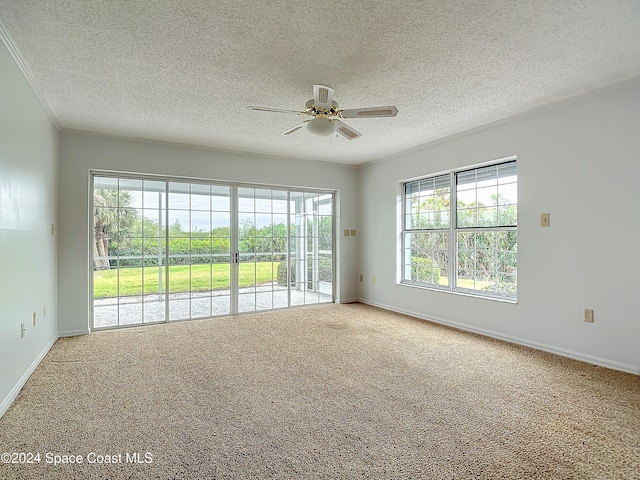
(137, 310)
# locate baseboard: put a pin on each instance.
(348, 300)
(582, 357)
(6, 403)
(73, 333)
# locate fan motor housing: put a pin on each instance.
(317, 112)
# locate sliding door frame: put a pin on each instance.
(234, 269)
(234, 263)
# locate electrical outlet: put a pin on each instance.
(545, 221)
(588, 315)
(22, 330)
(34, 319)
(373, 280)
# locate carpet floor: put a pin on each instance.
(321, 392)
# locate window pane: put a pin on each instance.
(200, 197)
(246, 225)
(508, 193)
(200, 278)
(487, 261)
(467, 217)
(487, 217)
(246, 201)
(263, 200)
(220, 198)
(130, 193)
(179, 223)
(200, 223)
(325, 206)
(153, 195)
(179, 196)
(426, 256)
(507, 215)
(466, 197)
(487, 196)
(264, 227)
(427, 203)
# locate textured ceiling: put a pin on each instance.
(184, 70)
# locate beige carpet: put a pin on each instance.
(333, 391)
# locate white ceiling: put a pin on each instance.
(184, 70)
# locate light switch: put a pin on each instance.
(544, 220)
(346, 232)
(588, 315)
(353, 233)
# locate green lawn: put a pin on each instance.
(465, 283)
(182, 278)
(185, 278)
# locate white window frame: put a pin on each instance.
(452, 230)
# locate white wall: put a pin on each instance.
(28, 201)
(580, 162)
(81, 152)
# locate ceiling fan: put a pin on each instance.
(327, 115)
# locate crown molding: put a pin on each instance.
(21, 63)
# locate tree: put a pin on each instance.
(112, 218)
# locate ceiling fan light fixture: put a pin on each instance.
(323, 127)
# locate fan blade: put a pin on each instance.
(276, 110)
(322, 96)
(347, 131)
(388, 111)
(295, 129)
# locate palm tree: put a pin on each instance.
(112, 218)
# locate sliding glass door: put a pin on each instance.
(199, 239)
(311, 247)
(262, 249)
(167, 249)
(129, 251)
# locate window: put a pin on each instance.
(459, 231)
